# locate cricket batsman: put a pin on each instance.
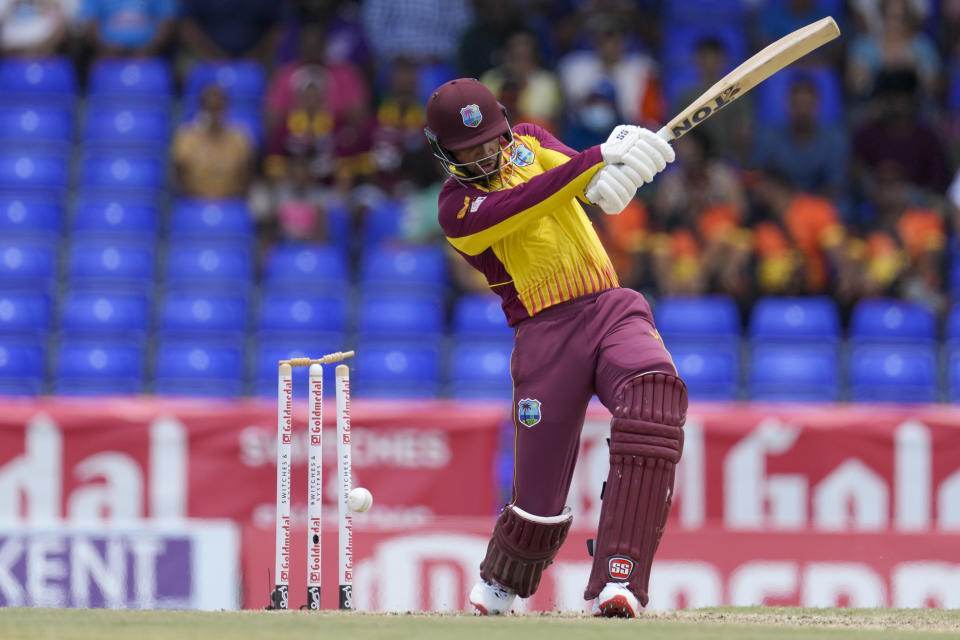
(510, 207)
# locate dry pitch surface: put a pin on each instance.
(724, 623)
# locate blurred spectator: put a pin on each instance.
(812, 156)
(482, 42)
(34, 27)
(294, 212)
(898, 134)
(729, 130)
(699, 202)
(424, 30)
(591, 123)
(211, 158)
(798, 238)
(306, 130)
(626, 239)
(634, 74)
(220, 30)
(898, 43)
(129, 27)
(345, 39)
(538, 90)
(777, 19)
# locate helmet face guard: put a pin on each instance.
(466, 172)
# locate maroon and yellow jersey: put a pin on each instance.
(531, 238)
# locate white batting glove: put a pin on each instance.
(619, 143)
(612, 188)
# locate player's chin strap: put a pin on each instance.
(522, 546)
(646, 440)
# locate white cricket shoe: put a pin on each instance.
(616, 601)
(491, 599)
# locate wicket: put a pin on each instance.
(279, 597)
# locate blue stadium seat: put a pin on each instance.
(382, 222)
(480, 369)
(144, 126)
(306, 268)
(881, 319)
(680, 47)
(794, 373)
(219, 220)
(815, 319)
(211, 316)
(953, 373)
(122, 170)
(269, 351)
(697, 317)
(952, 330)
(31, 171)
(432, 75)
(27, 265)
(954, 275)
(700, 11)
(480, 316)
(893, 373)
(98, 367)
(25, 126)
(30, 218)
(23, 367)
(243, 81)
(415, 268)
(400, 314)
(286, 313)
(206, 266)
(147, 79)
(773, 95)
(105, 315)
(109, 218)
(710, 370)
(198, 369)
(953, 88)
(38, 80)
(115, 266)
(24, 314)
(396, 370)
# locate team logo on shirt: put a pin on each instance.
(528, 412)
(619, 567)
(471, 115)
(522, 155)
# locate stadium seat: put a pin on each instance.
(207, 266)
(141, 79)
(243, 81)
(115, 266)
(893, 373)
(47, 80)
(794, 373)
(269, 351)
(145, 127)
(710, 370)
(400, 314)
(398, 370)
(290, 313)
(117, 170)
(432, 75)
(25, 314)
(480, 316)
(27, 265)
(107, 219)
(88, 367)
(414, 268)
(306, 268)
(480, 369)
(814, 319)
(952, 330)
(697, 317)
(30, 218)
(773, 95)
(680, 47)
(26, 126)
(23, 367)
(105, 315)
(198, 369)
(382, 222)
(953, 374)
(704, 11)
(882, 319)
(216, 220)
(212, 316)
(33, 171)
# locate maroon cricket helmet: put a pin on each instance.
(462, 113)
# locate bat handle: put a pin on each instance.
(665, 134)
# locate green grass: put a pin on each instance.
(722, 623)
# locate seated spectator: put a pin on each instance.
(812, 156)
(729, 130)
(295, 212)
(422, 30)
(632, 73)
(306, 130)
(626, 237)
(538, 97)
(592, 122)
(228, 30)
(118, 28)
(398, 140)
(34, 27)
(483, 40)
(211, 158)
(898, 43)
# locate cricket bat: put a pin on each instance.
(752, 72)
